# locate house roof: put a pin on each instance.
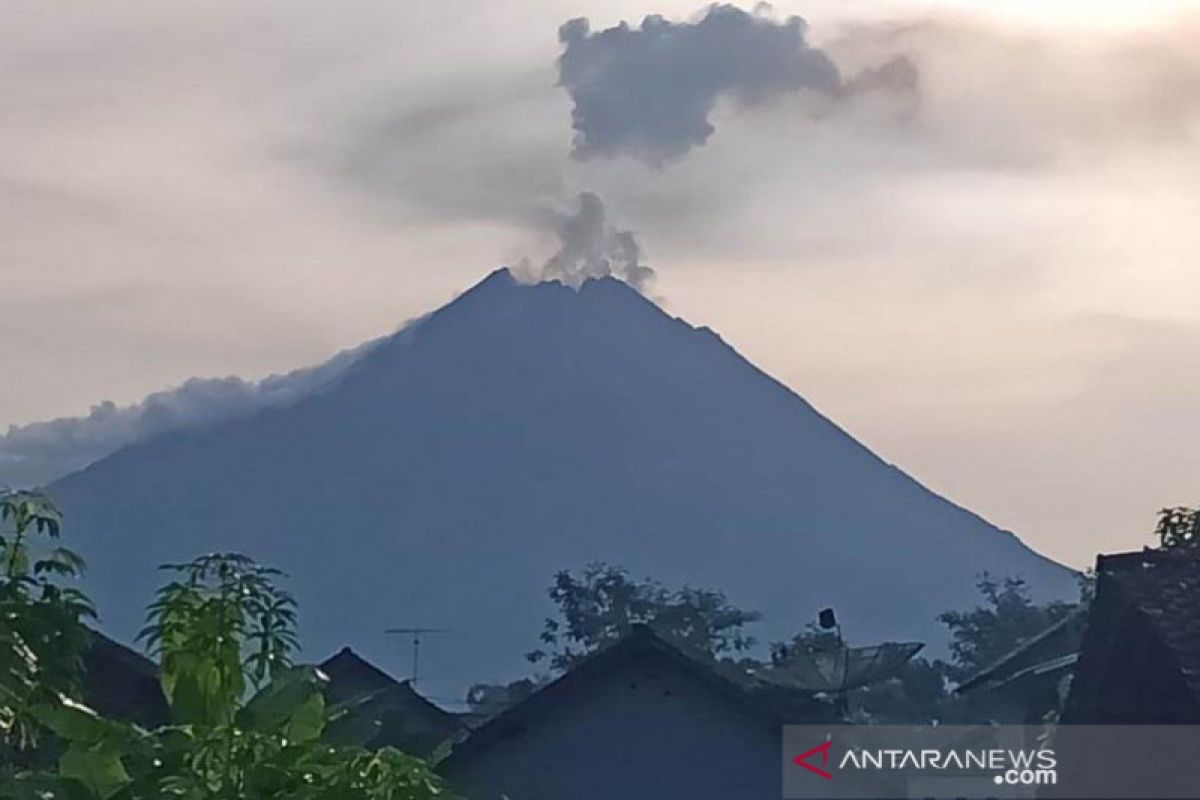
(1164, 586)
(1051, 645)
(121, 683)
(350, 675)
(1140, 657)
(1051, 666)
(372, 709)
(772, 703)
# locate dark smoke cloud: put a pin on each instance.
(38, 453)
(590, 246)
(648, 91)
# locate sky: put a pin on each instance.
(982, 269)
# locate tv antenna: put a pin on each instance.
(416, 634)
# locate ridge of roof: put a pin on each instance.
(402, 689)
(641, 638)
(1074, 617)
(345, 660)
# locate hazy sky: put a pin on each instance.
(991, 280)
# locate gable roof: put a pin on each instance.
(372, 709)
(772, 703)
(1153, 593)
(350, 675)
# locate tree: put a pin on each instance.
(811, 639)
(602, 604)
(246, 722)
(41, 635)
(982, 635)
(1178, 528)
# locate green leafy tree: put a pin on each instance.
(247, 723)
(41, 635)
(602, 604)
(1007, 617)
(811, 639)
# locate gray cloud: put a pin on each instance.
(649, 91)
(437, 159)
(38, 453)
(590, 246)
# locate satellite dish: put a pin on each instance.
(844, 668)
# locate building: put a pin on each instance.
(639, 720)
(375, 710)
(1140, 658)
(120, 683)
(1032, 680)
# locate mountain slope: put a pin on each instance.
(525, 429)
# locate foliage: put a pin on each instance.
(979, 636)
(246, 722)
(811, 639)
(220, 622)
(1178, 528)
(602, 604)
(41, 637)
(982, 635)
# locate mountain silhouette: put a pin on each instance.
(520, 430)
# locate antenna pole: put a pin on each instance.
(416, 654)
(416, 633)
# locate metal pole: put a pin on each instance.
(416, 634)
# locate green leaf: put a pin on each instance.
(199, 694)
(292, 705)
(97, 766)
(72, 721)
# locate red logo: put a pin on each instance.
(823, 748)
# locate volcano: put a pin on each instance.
(451, 470)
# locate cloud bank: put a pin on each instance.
(36, 454)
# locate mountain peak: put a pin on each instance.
(498, 279)
(504, 279)
(525, 429)
(503, 299)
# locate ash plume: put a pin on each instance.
(590, 246)
(648, 92)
